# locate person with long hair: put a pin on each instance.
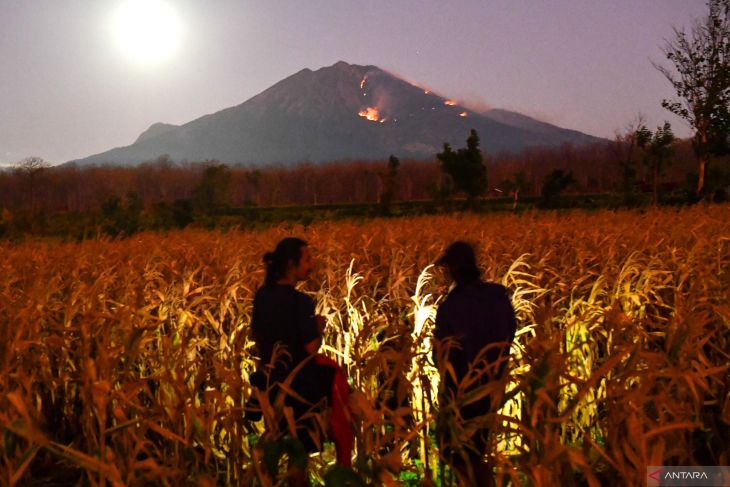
(288, 334)
(475, 326)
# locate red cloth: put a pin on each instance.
(340, 425)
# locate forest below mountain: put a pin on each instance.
(79, 202)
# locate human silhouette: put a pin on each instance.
(475, 326)
(288, 334)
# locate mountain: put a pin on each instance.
(155, 130)
(342, 111)
(528, 123)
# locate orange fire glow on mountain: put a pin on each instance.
(463, 114)
(450, 103)
(362, 83)
(371, 113)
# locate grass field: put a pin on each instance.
(126, 362)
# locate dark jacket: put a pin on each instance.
(284, 316)
(476, 314)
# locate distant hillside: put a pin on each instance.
(155, 130)
(339, 112)
(515, 119)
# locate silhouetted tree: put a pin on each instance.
(701, 79)
(555, 183)
(122, 218)
(657, 149)
(441, 191)
(213, 192)
(514, 185)
(5, 220)
(254, 179)
(161, 216)
(182, 213)
(111, 210)
(133, 213)
(465, 167)
(389, 183)
(30, 168)
(626, 151)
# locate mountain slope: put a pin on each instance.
(155, 130)
(339, 112)
(515, 119)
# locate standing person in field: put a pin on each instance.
(475, 326)
(288, 335)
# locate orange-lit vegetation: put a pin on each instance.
(127, 362)
(72, 189)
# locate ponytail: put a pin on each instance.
(287, 250)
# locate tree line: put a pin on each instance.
(36, 198)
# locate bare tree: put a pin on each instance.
(31, 167)
(701, 78)
(625, 151)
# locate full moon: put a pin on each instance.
(147, 31)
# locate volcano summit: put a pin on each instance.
(338, 112)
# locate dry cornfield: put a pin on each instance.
(126, 362)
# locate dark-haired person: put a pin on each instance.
(478, 319)
(284, 317)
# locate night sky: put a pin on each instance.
(67, 90)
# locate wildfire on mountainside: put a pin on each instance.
(450, 103)
(463, 114)
(371, 113)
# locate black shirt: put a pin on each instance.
(476, 314)
(281, 314)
